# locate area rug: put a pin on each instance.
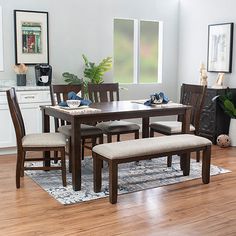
(132, 177)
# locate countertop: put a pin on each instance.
(25, 88)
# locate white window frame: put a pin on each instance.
(1, 41)
(136, 50)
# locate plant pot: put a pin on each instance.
(232, 131)
(21, 79)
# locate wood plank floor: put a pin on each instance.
(188, 208)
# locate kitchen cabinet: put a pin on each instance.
(29, 102)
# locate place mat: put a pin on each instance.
(169, 104)
(78, 110)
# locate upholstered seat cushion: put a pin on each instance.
(44, 140)
(86, 130)
(169, 127)
(149, 146)
(117, 126)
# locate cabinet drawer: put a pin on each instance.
(33, 96)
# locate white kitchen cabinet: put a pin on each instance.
(30, 102)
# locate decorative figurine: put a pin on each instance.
(223, 140)
(219, 81)
(203, 75)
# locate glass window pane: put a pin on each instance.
(1, 43)
(149, 34)
(123, 50)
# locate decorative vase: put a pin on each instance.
(232, 131)
(21, 79)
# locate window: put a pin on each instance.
(1, 39)
(137, 51)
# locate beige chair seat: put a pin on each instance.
(117, 126)
(169, 127)
(150, 146)
(44, 140)
(86, 130)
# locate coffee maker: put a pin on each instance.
(43, 74)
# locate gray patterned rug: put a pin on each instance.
(132, 177)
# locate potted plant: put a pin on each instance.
(227, 104)
(92, 73)
(20, 74)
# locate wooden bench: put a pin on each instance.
(143, 149)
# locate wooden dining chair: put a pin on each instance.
(34, 142)
(109, 92)
(193, 95)
(59, 93)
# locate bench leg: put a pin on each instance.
(198, 156)
(113, 182)
(206, 164)
(97, 174)
(169, 161)
(185, 163)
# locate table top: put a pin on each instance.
(117, 110)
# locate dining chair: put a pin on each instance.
(59, 93)
(34, 142)
(193, 95)
(109, 92)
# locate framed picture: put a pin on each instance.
(1, 41)
(220, 47)
(31, 37)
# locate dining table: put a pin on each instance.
(107, 111)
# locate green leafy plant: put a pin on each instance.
(227, 104)
(71, 78)
(94, 73)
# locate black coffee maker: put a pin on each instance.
(43, 74)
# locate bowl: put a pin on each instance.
(73, 103)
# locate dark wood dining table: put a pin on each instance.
(107, 111)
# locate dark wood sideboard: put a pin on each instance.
(214, 121)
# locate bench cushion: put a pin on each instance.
(149, 146)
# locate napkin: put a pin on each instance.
(74, 96)
(157, 98)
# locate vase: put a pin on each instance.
(232, 131)
(21, 79)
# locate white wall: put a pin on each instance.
(77, 27)
(195, 16)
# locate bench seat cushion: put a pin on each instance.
(169, 127)
(149, 146)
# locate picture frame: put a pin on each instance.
(220, 48)
(1, 42)
(31, 37)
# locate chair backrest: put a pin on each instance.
(16, 116)
(59, 93)
(193, 95)
(105, 92)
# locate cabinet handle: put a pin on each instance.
(29, 97)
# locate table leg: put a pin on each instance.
(145, 127)
(46, 129)
(185, 130)
(186, 121)
(76, 154)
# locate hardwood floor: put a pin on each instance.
(188, 208)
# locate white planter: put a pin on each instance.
(232, 131)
